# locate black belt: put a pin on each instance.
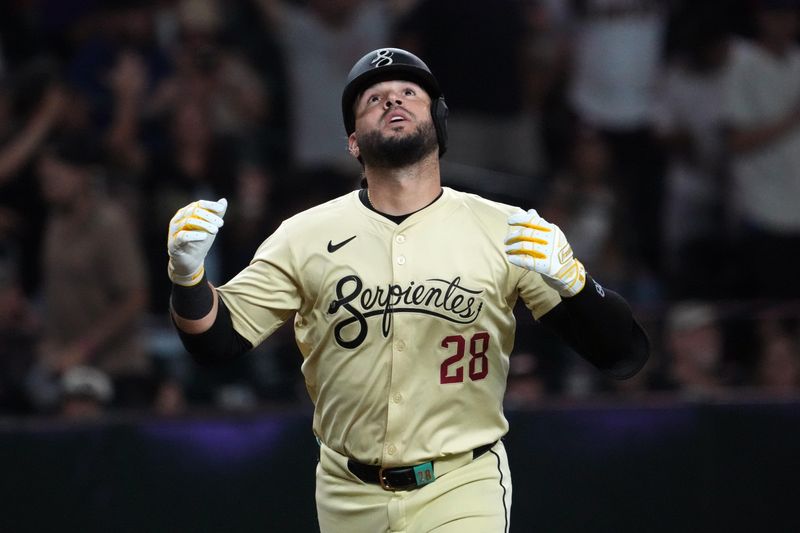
(402, 477)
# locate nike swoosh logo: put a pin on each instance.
(333, 247)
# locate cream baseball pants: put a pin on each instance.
(473, 498)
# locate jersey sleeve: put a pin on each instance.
(537, 295)
(264, 295)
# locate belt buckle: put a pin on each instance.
(382, 480)
(422, 474)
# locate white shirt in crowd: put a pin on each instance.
(618, 51)
(318, 58)
(762, 89)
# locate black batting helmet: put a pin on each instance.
(387, 64)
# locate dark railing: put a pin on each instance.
(662, 466)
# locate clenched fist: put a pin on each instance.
(191, 233)
(536, 244)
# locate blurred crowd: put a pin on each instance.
(662, 136)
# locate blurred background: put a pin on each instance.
(662, 136)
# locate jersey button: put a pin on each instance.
(397, 398)
(391, 449)
(401, 260)
(400, 346)
(400, 239)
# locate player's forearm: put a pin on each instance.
(211, 339)
(599, 325)
(194, 309)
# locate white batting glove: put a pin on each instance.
(536, 244)
(191, 233)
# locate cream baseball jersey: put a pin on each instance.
(405, 329)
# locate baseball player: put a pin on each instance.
(402, 296)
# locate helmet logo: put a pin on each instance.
(382, 58)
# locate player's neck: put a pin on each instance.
(399, 191)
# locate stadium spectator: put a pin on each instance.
(32, 105)
(689, 123)
(94, 285)
(86, 392)
(762, 111)
(489, 126)
(694, 342)
(617, 50)
(582, 202)
(778, 371)
(121, 34)
(219, 76)
(320, 40)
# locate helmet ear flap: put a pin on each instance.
(439, 112)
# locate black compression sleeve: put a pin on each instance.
(219, 344)
(192, 303)
(599, 325)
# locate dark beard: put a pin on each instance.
(397, 152)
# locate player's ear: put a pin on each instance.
(352, 146)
